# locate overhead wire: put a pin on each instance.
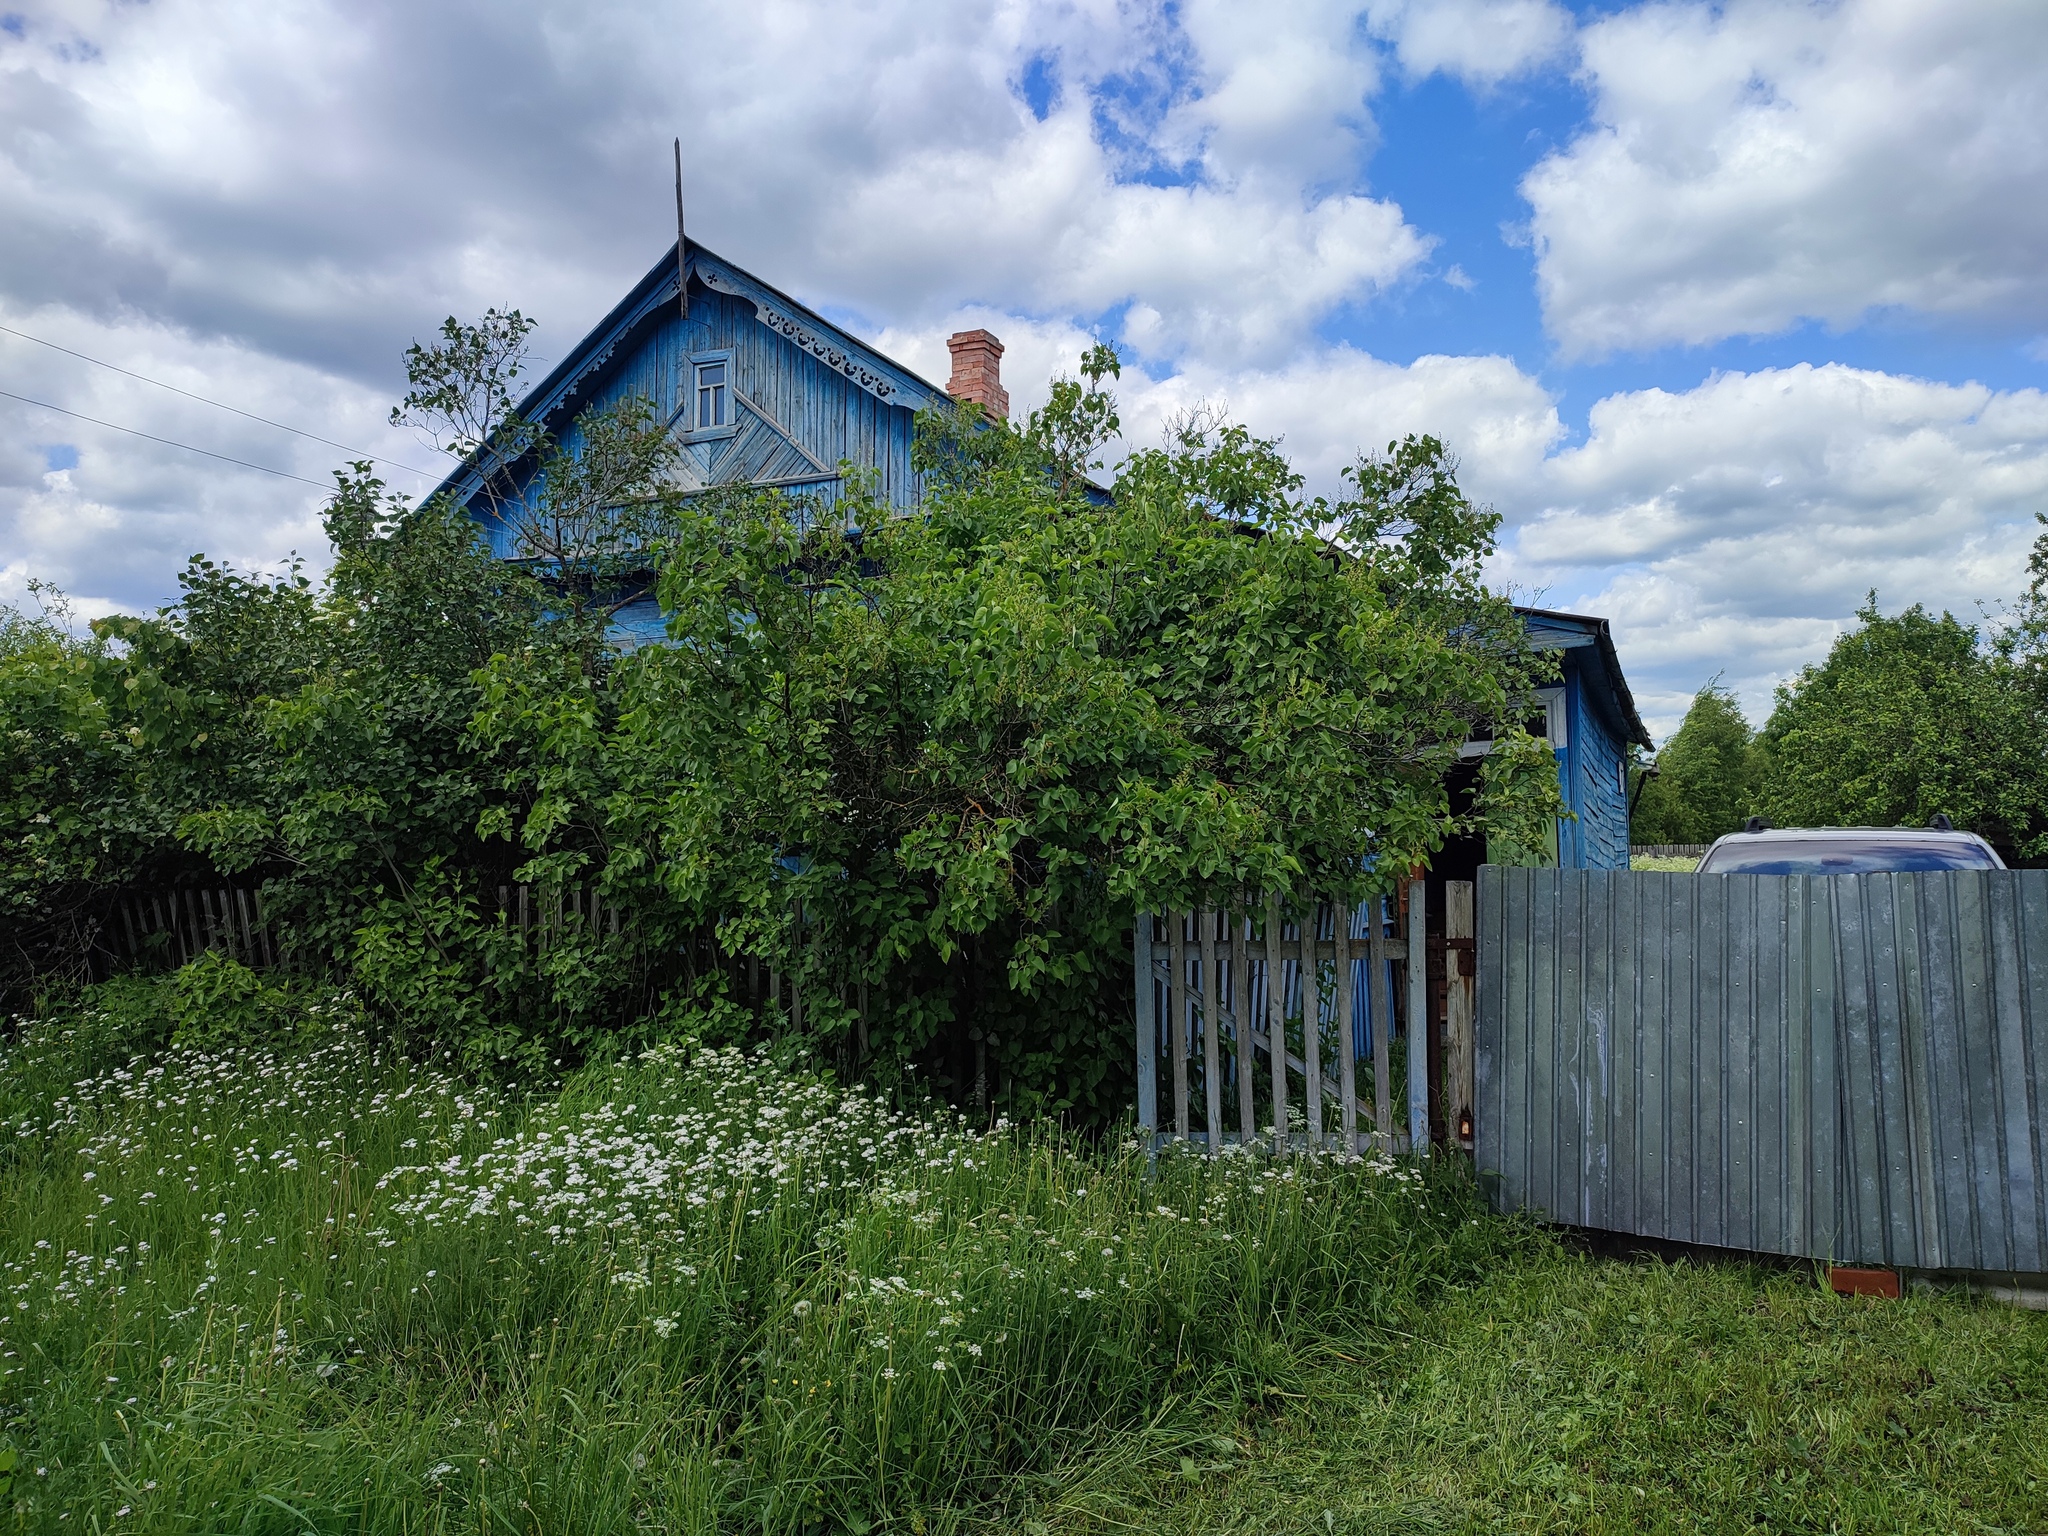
(167, 442)
(217, 404)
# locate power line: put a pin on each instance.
(219, 405)
(167, 442)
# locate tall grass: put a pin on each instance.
(331, 1288)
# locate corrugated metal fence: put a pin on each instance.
(1848, 1068)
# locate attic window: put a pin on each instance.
(714, 394)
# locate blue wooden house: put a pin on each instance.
(1598, 727)
(761, 391)
(1590, 720)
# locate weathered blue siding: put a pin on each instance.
(808, 398)
(1600, 722)
(1593, 784)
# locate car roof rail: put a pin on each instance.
(1756, 824)
(1941, 823)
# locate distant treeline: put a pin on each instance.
(1909, 717)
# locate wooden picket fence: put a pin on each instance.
(175, 927)
(1207, 980)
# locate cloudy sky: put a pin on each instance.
(1736, 311)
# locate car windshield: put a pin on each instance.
(1875, 854)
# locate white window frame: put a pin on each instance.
(1556, 727)
(696, 362)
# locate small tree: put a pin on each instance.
(1706, 775)
(1908, 718)
(586, 509)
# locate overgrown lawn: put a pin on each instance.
(325, 1287)
(1571, 1394)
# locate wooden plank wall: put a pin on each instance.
(1310, 987)
(831, 416)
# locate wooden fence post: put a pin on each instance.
(1241, 1030)
(1310, 929)
(1418, 1017)
(1382, 1030)
(1148, 1028)
(1347, 1031)
(1212, 1038)
(1177, 1018)
(1276, 1021)
(1460, 1095)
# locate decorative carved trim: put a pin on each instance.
(793, 330)
(582, 376)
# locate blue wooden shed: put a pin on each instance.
(1590, 719)
(1600, 725)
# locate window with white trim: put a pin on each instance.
(1550, 722)
(712, 380)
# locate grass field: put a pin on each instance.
(1570, 1394)
(323, 1287)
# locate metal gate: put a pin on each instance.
(1846, 1067)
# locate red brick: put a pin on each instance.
(1863, 1282)
(978, 371)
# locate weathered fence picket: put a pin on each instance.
(177, 926)
(1206, 977)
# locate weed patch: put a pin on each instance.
(323, 1286)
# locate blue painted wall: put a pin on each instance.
(1600, 722)
(807, 396)
(1590, 770)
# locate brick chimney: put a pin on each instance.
(978, 371)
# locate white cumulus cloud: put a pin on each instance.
(1734, 528)
(1758, 163)
(1481, 41)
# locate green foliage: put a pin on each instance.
(1909, 717)
(50, 624)
(586, 509)
(938, 761)
(2022, 645)
(461, 389)
(215, 1001)
(912, 775)
(1706, 779)
(692, 1292)
(1077, 422)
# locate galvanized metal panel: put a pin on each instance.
(1491, 1042)
(1841, 1068)
(2026, 1098)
